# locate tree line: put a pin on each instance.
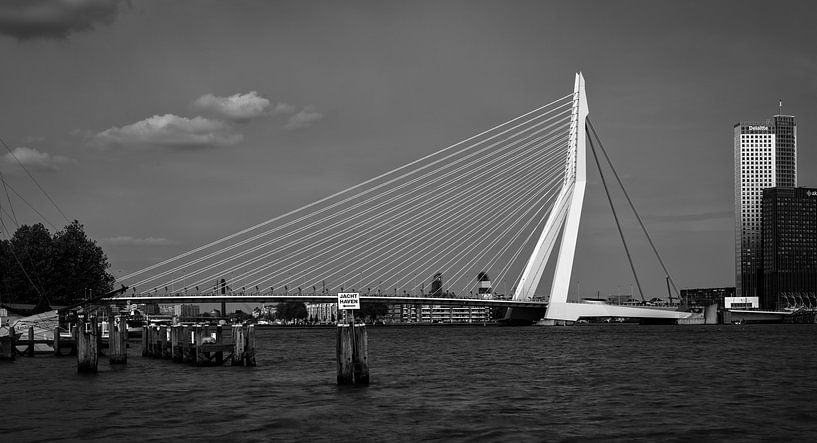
(46, 270)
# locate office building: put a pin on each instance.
(789, 249)
(765, 157)
(708, 296)
(186, 311)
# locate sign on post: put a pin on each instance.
(348, 300)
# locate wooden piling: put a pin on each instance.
(117, 341)
(238, 346)
(249, 348)
(74, 338)
(185, 338)
(10, 353)
(163, 344)
(219, 341)
(174, 342)
(144, 341)
(57, 352)
(88, 347)
(199, 338)
(30, 349)
(352, 355)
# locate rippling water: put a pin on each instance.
(619, 382)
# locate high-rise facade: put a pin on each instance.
(789, 249)
(765, 157)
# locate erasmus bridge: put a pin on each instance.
(506, 202)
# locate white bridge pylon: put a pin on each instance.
(564, 217)
(566, 214)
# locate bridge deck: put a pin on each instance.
(317, 298)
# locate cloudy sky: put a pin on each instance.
(161, 125)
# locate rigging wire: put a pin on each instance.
(615, 217)
(337, 194)
(34, 180)
(632, 207)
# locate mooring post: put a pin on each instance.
(352, 354)
(199, 360)
(57, 341)
(163, 341)
(152, 340)
(249, 348)
(30, 349)
(185, 338)
(344, 354)
(87, 346)
(12, 350)
(117, 340)
(74, 338)
(174, 342)
(144, 340)
(219, 341)
(361, 354)
(238, 346)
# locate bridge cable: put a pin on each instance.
(235, 256)
(333, 215)
(337, 194)
(637, 216)
(615, 216)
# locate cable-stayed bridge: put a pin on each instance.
(504, 203)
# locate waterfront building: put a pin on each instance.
(709, 296)
(789, 248)
(186, 311)
(438, 314)
(765, 157)
(324, 313)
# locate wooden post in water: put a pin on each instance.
(352, 354)
(57, 341)
(144, 340)
(219, 341)
(238, 346)
(162, 341)
(30, 349)
(117, 340)
(361, 354)
(87, 346)
(186, 344)
(174, 342)
(199, 359)
(11, 352)
(74, 338)
(344, 355)
(249, 348)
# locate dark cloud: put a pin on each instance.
(56, 19)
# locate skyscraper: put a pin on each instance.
(789, 248)
(765, 157)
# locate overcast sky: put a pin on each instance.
(161, 125)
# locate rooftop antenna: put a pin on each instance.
(780, 107)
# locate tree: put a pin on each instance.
(373, 310)
(291, 311)
(46, 270)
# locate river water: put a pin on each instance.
(608, 382)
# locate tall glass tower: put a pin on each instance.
(765, 157)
